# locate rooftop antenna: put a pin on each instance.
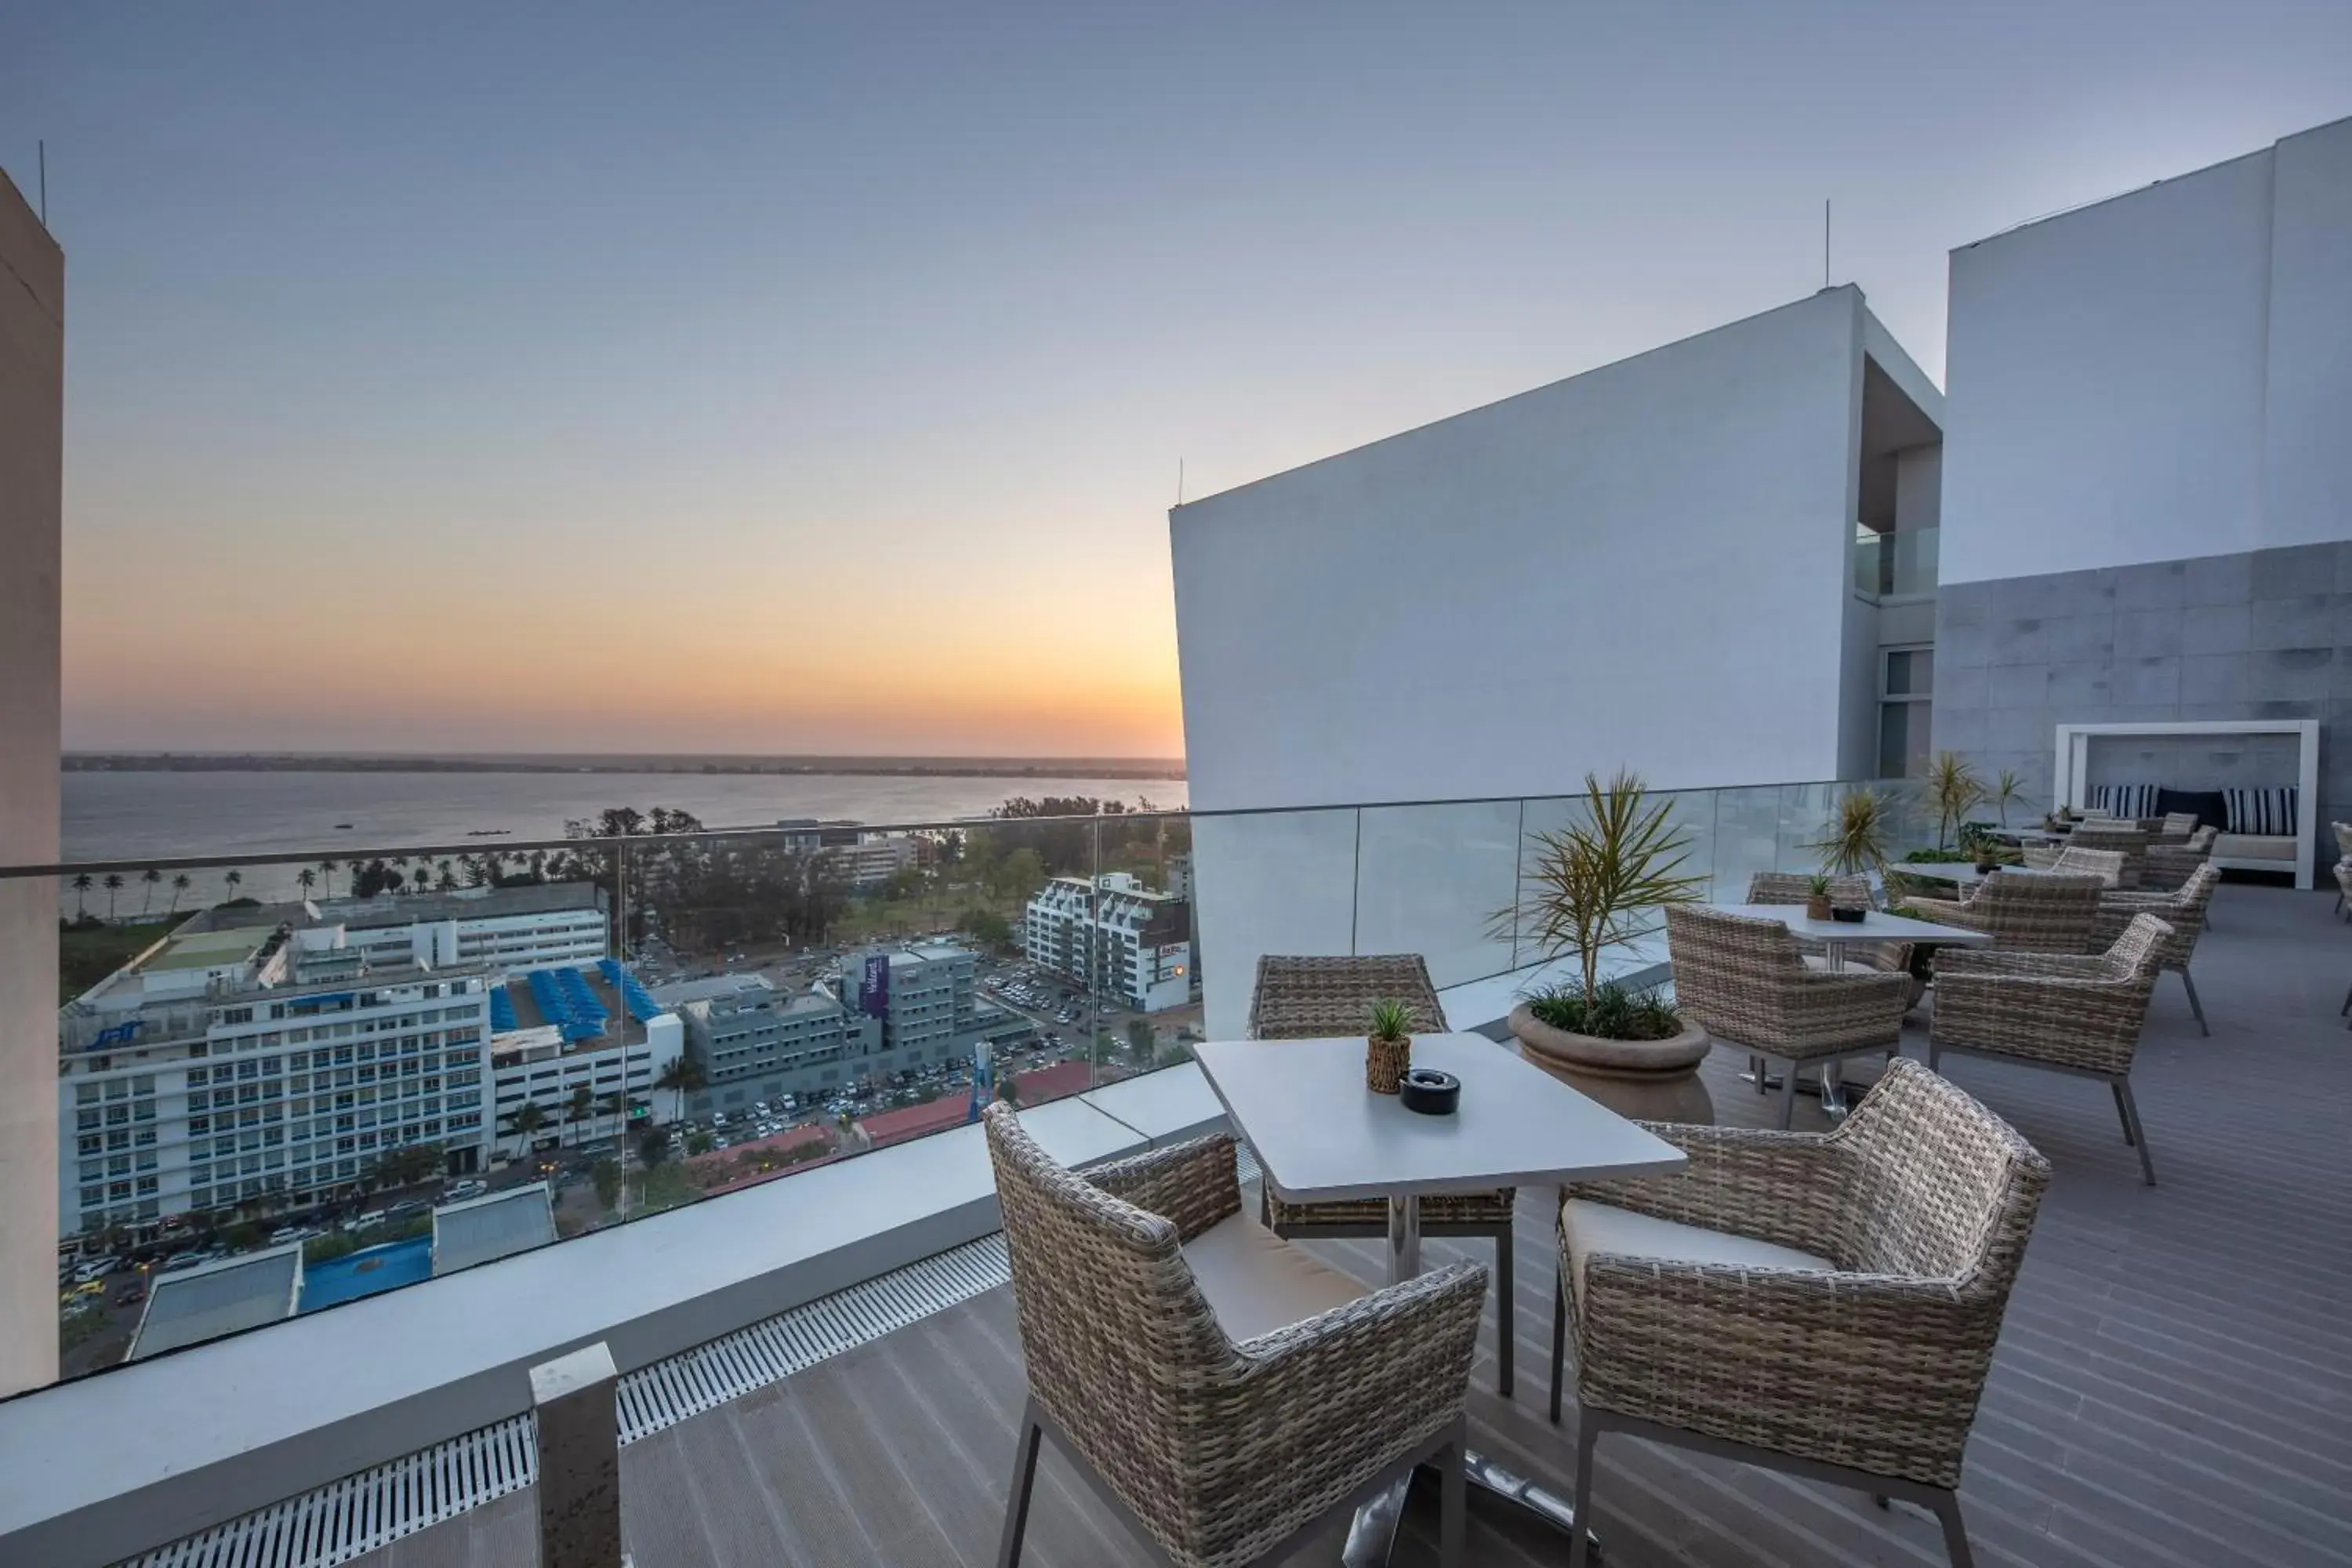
(1825, 242)
(1180, 481)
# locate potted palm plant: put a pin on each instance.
(1388, 1045)
(1599, 882)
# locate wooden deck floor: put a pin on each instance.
(2173, 1387)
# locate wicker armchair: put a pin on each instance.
(2172, 827)
(1847, 892)
(1745, 982)
(1826, 1304)
(2080, 1014)
(2169, 866)
(2048, 913)
(2183, 909)
(2107, 865)
(2126, 836)
(1223, 1391)
(1318, 998)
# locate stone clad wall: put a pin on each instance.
(2261, 635)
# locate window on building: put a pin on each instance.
(1907, 684)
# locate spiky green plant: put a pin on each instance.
(1954, 790)
(1589, 885)
(2008, 790)
(1856, 843)
(1817, 885)
(1389, 1020)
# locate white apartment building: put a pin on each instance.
(546, 1047)
(866, 859)
(1140, 939)
(235, 1064)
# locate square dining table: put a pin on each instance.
(1319, 1135)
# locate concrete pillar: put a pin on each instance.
(32, 470)
(579, 1460)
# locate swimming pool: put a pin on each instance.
(366, 1272)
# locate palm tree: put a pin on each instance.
(147, 901)
(180, 884)
(81, 886)
(113, 886)
(307, 877)
(684, 1076)
(582, 1105)
(421, 877)
(615, 1104)
(328, 869)
(235, 879)
(523, 1123)
(447, 878)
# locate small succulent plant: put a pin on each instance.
(1389, 1020)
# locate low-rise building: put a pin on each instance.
(560, 1030)
(1137, 942)
(865, 858)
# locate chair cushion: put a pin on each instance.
(1591, 1227)
(1256, 1282)
(2208, 806)
(2253, 847)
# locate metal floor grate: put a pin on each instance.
(351, 1517)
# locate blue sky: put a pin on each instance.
(702, 377)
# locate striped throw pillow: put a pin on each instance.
(2127, 801)
(2262, 812)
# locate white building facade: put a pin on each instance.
(1652, 565)
(1138, 941)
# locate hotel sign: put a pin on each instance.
(873, 987)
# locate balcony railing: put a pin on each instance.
(1890, 564)
(205, 1118)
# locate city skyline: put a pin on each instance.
(752, 383)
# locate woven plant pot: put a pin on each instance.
(1386, 1063)
(1817, 907)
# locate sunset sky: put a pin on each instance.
(742, 378)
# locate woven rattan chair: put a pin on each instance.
(1320, 998)
(1846, 892)
(2040, 914)
(1821, 1303)
(2080, 1014)
(2183, 909)
(1745, 982)
(2107, 865)
(1224, 1391)
(2125, 836)
(2169, 866)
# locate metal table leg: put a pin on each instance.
(1372, 1535)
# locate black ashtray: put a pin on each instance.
(1987, 866)
(1850, 917)
(1431, 1093)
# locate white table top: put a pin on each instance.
(1320, 1134)
(1880, 927)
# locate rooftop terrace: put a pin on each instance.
(2173, 1384)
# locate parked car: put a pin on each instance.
(473, 1187)
(95, 1269)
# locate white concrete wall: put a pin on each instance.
(2156, 377)
(32, 468)
(1569, 579)
(1648, 565)
(2307, 394)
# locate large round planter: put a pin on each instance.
(1650, 1080)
